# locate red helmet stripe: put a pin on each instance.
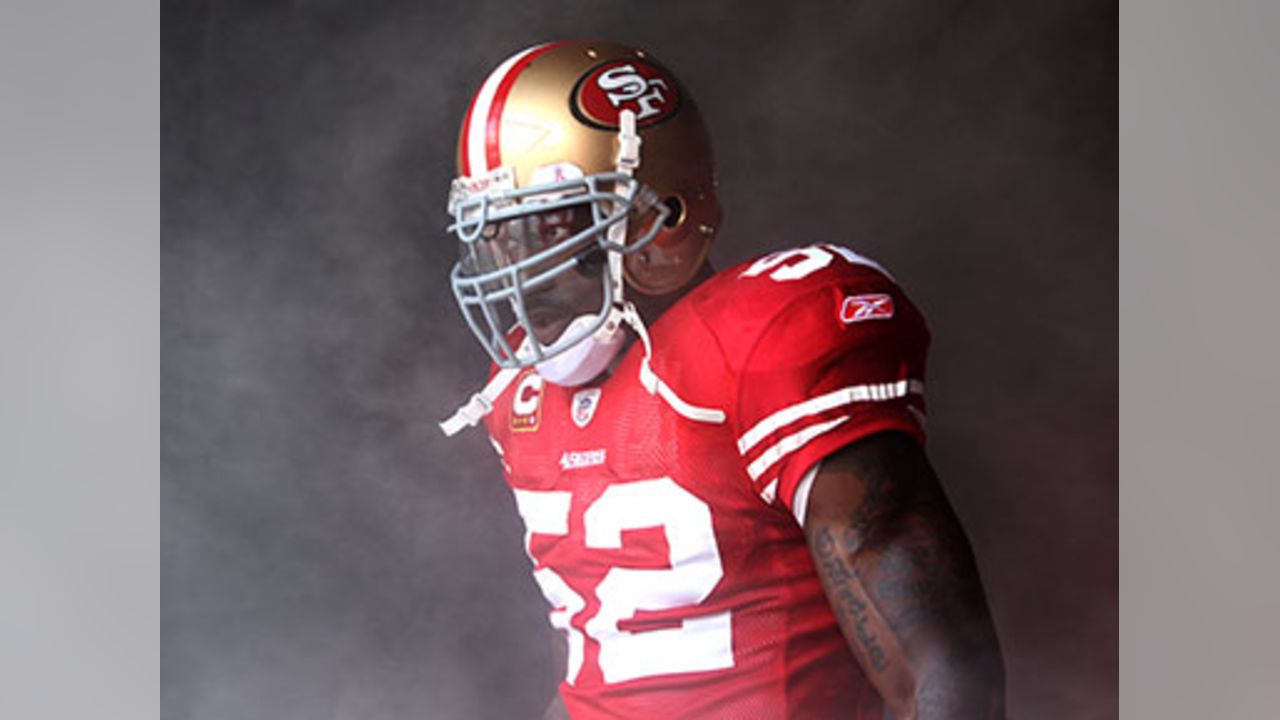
(463, 149)
(493, 141)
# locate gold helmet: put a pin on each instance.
(550, 179)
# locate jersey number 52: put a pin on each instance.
(697, 643)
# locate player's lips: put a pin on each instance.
(550, 309)
(549, 319)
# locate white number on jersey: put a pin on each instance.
(548, 513)
(808, 260)
(697, 644)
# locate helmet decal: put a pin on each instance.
(631, 84)
(556, 173)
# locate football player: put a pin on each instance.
(722, 475)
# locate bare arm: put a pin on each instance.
(901, 578)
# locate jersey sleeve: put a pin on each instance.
(839, 361)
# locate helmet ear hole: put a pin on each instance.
(677, 208)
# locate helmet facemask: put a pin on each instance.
(540, 267)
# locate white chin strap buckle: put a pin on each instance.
(628, 143)
(480, 404)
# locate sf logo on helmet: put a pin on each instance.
(623, 83)
(608, 89)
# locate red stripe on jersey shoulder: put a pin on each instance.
(492, 140)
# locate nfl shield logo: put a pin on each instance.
(584, 406)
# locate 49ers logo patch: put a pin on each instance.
(609, 88)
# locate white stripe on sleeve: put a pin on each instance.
(822, 403)
(790, 444)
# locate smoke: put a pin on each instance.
(327, 553)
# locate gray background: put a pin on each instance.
(79, 358)
(1200, 543)
(326, 553)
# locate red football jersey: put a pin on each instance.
(668, 546)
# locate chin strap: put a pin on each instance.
(627, 161)
(480, 404)
(628, 143)
(650, 381)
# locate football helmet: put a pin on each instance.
(583, 168)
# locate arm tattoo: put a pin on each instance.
(911, 549)
(918, 582)
(902, 581)
(846, 601)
